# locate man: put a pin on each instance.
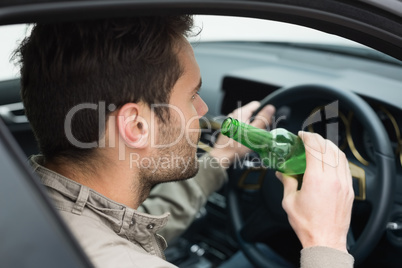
(114, 106)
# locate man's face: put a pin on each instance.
(179, 137)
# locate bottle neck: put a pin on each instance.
(254, 138)
(230, 127)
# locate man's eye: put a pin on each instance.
(195, 95)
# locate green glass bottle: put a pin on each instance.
(278, 149)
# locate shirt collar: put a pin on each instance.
(124, 220)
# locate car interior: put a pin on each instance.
(335, 79)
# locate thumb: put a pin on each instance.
(264, 117)
(289, 183)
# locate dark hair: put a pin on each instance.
(115, 61)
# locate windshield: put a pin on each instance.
(221, 28)
(226, 28)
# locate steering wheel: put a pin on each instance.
(268, 217)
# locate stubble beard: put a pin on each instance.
(182, 156)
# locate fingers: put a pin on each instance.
(325, 158)
(342, 170)
(321, 150)
(251, 106)
(261, 120)
(264, 117)
(346, 178)
(314, 146)
(289, 184)
(244, 113)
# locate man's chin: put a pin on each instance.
(191, 170)
(184, 176)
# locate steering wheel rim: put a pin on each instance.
(385, 188)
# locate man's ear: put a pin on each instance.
(133, 128)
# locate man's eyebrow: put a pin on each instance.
(198, 87)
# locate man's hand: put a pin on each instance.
(226, 149)
(320, 212)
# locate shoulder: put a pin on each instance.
(105, 248)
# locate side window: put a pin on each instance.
(10, 37)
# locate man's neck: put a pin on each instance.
(112, 180)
